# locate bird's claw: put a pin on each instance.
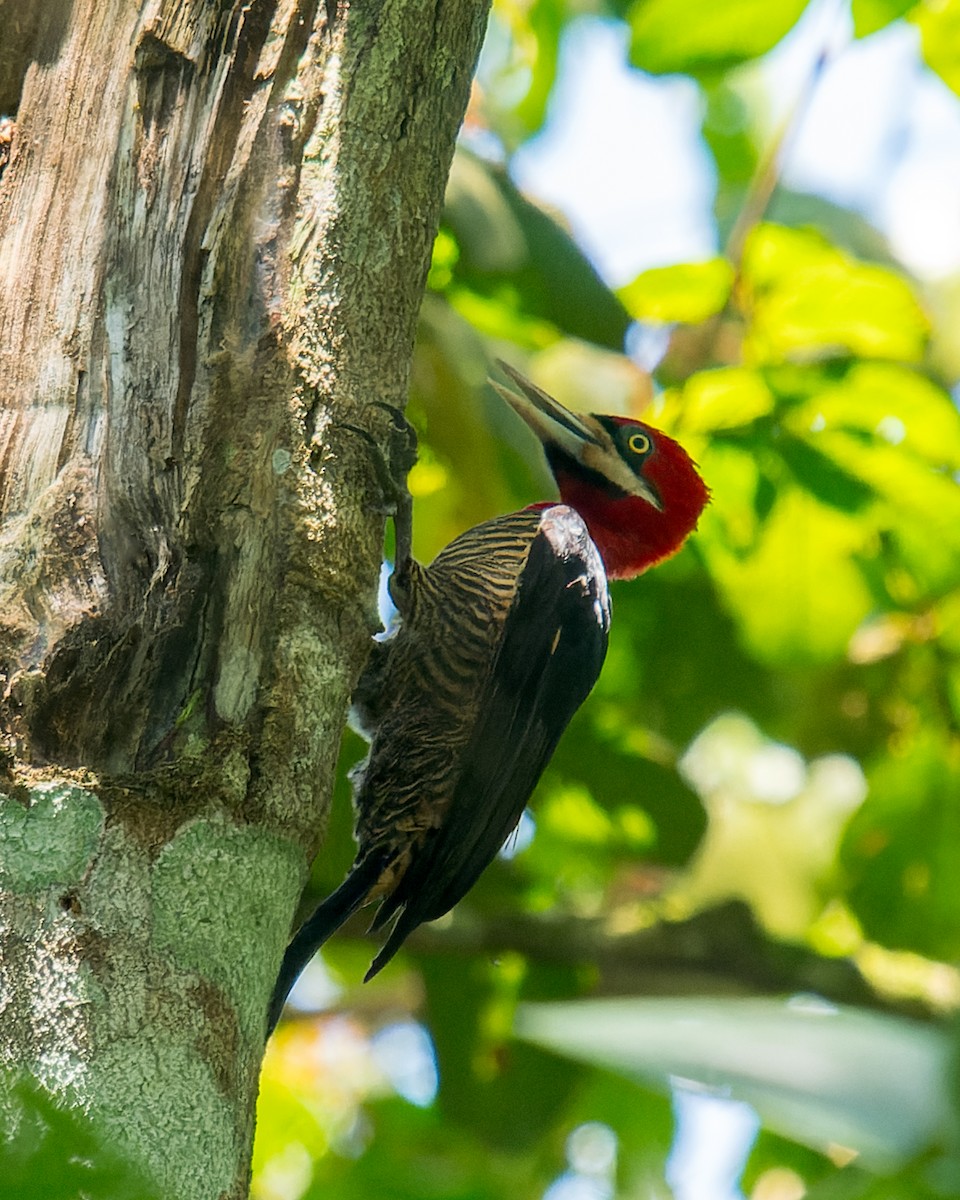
(392, 460)
(393, 455)
(403, 438)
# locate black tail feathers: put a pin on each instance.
(406, 923)
(325, 920)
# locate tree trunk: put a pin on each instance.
(215, 227)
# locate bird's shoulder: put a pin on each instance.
(507, 542)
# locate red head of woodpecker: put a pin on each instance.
(637, 490)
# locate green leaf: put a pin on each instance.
(637, 809)
(518, 69)
(700, 37)
(902, 849)
(891, 405)
(643, 1122)
(570, 813)
(688, 292)
(725, 398)
(728, 132)
(485, 1079)
(929, 1176)
(818, 1074)
(515, 258)
(871, 15)
(771, 573)
(895, 437)
(806, 298)
(921, 509)
(939, 25)
(771, 1152)
(823, 478)
(544, 22)
(399, 1152)
(443, 259)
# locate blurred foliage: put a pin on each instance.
(778, 720)
(49, 1151)
(506, 265)
(702, 39)
(827, 1075)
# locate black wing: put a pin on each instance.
(552, 647)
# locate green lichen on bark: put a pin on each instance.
(162, 1107)
(50, 839)
(220, 892)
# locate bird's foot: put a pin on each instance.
(401, 443)
(392, 453)
(392, 456)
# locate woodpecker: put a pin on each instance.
(499, 642)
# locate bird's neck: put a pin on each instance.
(630, 534)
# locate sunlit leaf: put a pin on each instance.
(291, 1125)
(806, 297)
(939, 24)
(891, 404)
(775, 251)
(871, 15)
(426, 477)
(443, 259)
(822, 1075)
(698, 37)
(948, 623)
(668, 818)
(922, 506)
(721, 399)
(792, 585)
(572, 813)
(687, 292)
(502, 316)
(731, 519)
(519, 66)
(822, 477)
(537, 28)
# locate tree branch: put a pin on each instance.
(721, 951)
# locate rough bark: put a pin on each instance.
(215, 226)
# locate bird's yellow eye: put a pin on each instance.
(639, 443)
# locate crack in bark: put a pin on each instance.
(253, 26)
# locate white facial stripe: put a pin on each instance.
(607, 462)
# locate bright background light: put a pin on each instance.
(621, 157)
